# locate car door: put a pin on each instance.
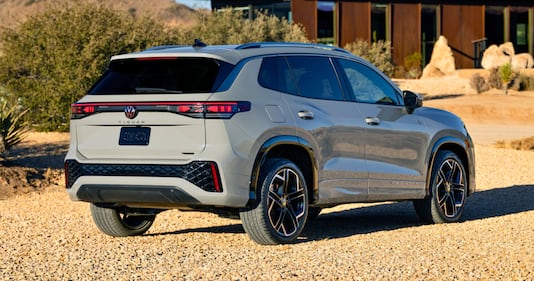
(396, 142)
(333, 128)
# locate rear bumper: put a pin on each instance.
(161, 196)
(198, 183)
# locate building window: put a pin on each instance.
(495, 25)
(326, 23)
(429, 30)
(380, 19)
(519, 29)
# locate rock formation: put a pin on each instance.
(441, 62)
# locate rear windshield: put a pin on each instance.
(161, 75)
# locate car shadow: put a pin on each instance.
(391, 216)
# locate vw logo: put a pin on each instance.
(130, 112)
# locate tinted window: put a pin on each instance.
(315, 77)
(275, 75)
(173, 75)
(368, 86)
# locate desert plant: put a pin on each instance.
(378, 53)
(494, 80)
(526, 83)
(12, 126)
(521, 144)
(52, 59)
(506, 74)
(412, 64)
(478, 83)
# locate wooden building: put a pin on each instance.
(410, 25)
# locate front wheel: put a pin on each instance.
(119, 222)
(280, 214)
(448, 190)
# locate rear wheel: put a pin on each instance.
(448, 190)
(120, 222)
(282, 208)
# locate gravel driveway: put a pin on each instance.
(48, 237)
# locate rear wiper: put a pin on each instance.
(156, 90)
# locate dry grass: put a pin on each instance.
(521, 144)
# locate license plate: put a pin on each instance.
(134, 136)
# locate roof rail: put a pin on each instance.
(163, 47)
(289, 44)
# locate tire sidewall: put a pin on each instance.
(437, 213)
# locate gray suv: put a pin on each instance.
(269, 132)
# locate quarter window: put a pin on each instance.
(315, 77)
(275, 75)
(367, 85)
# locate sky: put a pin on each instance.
(196, 3)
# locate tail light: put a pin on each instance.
(207, 110)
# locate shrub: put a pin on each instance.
(526, 83)
(227, 26)
(53, 58)
(478, 83)
(413, 65)
(494, 80)
(378, 53)
(12, 126)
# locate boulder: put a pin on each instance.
(507, 48)
(442, 60)
(494, 57)
(431, 71)
(522, 61)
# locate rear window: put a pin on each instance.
(161, 75)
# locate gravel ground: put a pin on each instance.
(45, 236)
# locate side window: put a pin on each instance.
(368, 86)
(275, 75)
(315, 77)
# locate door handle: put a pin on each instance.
(373, 121)
(305, 115)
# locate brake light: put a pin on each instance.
(213, 110)
(208, 110)
(80, 110)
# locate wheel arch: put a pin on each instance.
(464, 149)
(293, 148)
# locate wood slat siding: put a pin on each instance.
(406, 31)
(305, 13)
(355, 21)
(461, 24)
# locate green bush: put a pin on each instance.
(413, 65)
(52, 59)
(378, 53)
(12, 126)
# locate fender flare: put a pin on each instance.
(264, 151)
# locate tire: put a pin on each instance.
(281, 210)
(448, 190)
(116, 222)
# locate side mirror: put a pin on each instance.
(412, 101)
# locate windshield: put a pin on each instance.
(161, 75)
